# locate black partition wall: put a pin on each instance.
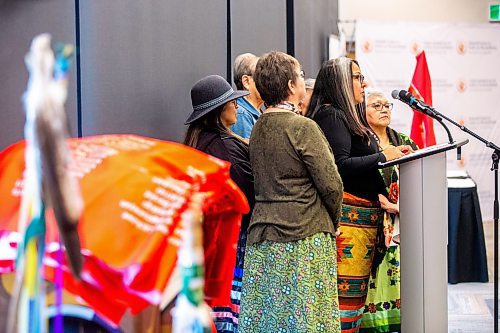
(257, 26)
(138, 59)
(20, 21)
(315, 21)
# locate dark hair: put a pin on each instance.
(211, 120)
(361, 109)
(273, 72)
(334, 86)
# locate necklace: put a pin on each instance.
(379, 142)
(286, 106)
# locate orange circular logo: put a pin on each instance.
(461, 85)
(367, 46)
(416, 48)
(461, 48)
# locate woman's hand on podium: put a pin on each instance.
(388, 206)
(405, 149)
(391, 153)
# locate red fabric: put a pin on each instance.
(422, 127)
(128, 249)
(220, 239)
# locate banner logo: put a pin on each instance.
(461, 48)
(461, 85)
(367, 46)
(416, 48)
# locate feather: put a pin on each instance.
(47, 125)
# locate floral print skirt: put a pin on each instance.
(290, 287)
(382, 309)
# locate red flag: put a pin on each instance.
(422, 127)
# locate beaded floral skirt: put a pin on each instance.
(290, 287)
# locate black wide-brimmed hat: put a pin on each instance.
(209, 93)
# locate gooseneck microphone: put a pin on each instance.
(407, 98)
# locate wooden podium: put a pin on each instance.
(424, 237)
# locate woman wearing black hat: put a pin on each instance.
(214, 111)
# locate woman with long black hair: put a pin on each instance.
(337, 95)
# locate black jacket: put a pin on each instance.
(229, 148)
(356, 159)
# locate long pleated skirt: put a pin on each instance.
(290, 287)
(355, 247)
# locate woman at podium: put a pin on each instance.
(337, 95)
(382, 310)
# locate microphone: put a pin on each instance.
(407, 98)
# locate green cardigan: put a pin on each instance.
(298, 190)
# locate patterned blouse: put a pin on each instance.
(390, 176)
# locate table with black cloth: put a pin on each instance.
(467, 260)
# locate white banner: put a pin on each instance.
(464, 65)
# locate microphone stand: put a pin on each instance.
(431, 112)
(439, 117)
(494, 167)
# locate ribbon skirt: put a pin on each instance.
(355, 248)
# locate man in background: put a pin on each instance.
(249, 107)
(304, 104)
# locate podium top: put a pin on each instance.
(421, 153)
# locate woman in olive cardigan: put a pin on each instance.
(289, 281)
